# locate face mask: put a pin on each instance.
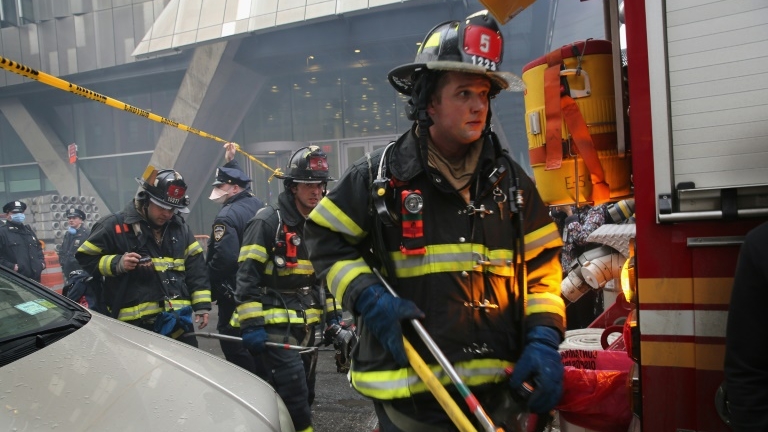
(18, 217)
(72, 230)
(218, 196)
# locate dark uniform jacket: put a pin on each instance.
(19, 245)
(179, 277)
(226, 237)
(464, 281)
(746, 351)
(69, 248)
(262, 288)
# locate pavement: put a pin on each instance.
(337, 406)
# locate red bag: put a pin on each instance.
(596, 399)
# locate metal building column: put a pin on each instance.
(47, 149)
(214, 96)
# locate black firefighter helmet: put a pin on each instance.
(307, 165)
(474, 45)
(165, 187)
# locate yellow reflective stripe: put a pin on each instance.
(138, 311)
(342, 273)
(327, 214)
(543, 238)
(433, 41)
(168, 263)
(193, 249)
(545, 303)
(453, 258)
(176, 303)
(303, 267)
(89, 248)
(202, 296)
(105, 264)
(282, 316)
(250, 310)
(402, 383)
(332, 306)
(254, 252)
(235, 320)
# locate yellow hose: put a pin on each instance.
(441, 394)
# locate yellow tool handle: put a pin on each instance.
(441, 394)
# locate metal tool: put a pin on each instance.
(469, 398)
(301, 349)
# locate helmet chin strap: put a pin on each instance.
(487, 129)
(423, 87)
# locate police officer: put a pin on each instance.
(73, 238)
(438, 212)
(153, 267)
(278, 298)
(232, 189)
(20, 250)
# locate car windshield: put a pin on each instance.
(32, 315)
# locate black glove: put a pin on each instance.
(330, 333)
(344, 341)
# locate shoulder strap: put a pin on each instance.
(381, 189)
(515, 199)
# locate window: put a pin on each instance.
(23, 179)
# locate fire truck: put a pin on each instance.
(691, 114)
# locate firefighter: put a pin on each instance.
(73, 238)
(153, 267)
(20, 249)
(746, 339)
(232, 189)
(437, 212)
(278, 297)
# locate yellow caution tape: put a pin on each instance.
(28, 72)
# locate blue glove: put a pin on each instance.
(542, 367)
(185, 319)
(333, 319)
(175, 323)
(382, 313)
(255, 339)
(165, 323)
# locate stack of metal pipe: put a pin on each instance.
(47, 215)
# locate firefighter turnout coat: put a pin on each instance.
(177, 278)
(274, 295)
(19, 245)
(455, 261)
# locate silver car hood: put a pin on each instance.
(113, 376)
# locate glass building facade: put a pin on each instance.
(321, 81)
